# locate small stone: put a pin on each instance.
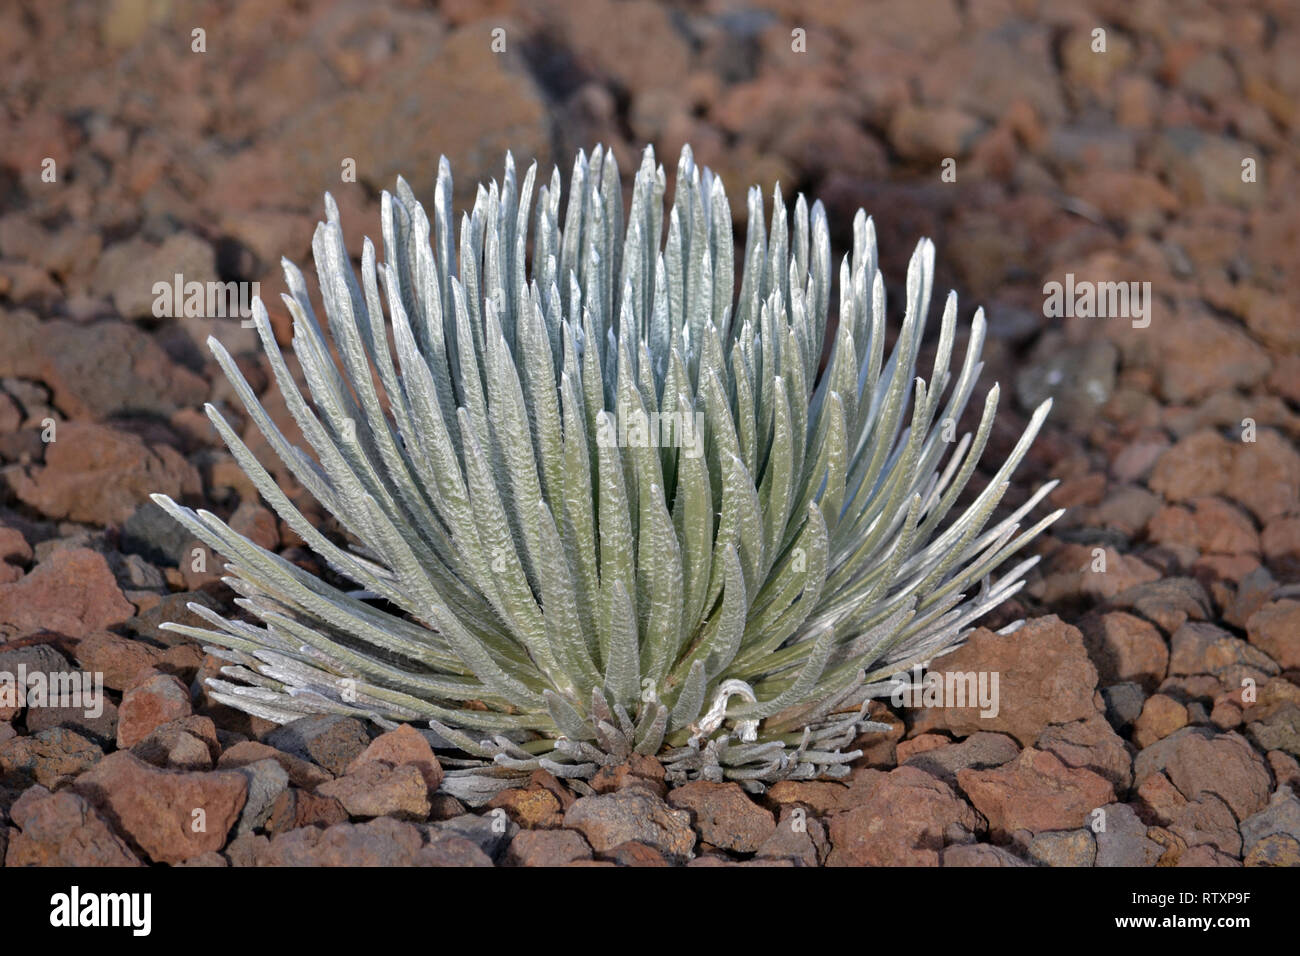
(118, 658)
(932, 133)
(723, 815)
(1093, 745)
(257, 524)
(490, 832)
(147, 706)
(547, 848)
(918, 745)
(1199, 761)
(1079, 379)
(99, 474)
(1063, 848)
(129, 269)
(376, 789)
(1123, 841)
(1279, 730)
(1277, 849)
(639, 771)
(1083, 572)
(50, 758)
(979, 751)
(1204, 855)
(1126, 509)
(1282, 815)
(531, 809)
(1275, 630)
(906, 820)
(97, 722)
(330, 740)
(1168, 603)
(1206, 820)
(189, 743)
(1199, 647)
(634, 854)
(447, 849)
(444, 807)
(1035, 792)
(821, 797)
(380, 842)
(172, 608)
(1161, 716)
(1281, 544)
(979, 854)
(1125, 648)
(1254, 591)
(1285, 769)
(1265, 475)
(798, 837)
(31, 659)
(1124, 703)
(1226, 715)
(267, 780)
(607, 820)
(116, 370)
(159, 810)
(295, 808)
(1044, 677)
(1210, 525)
(72, 592)
(155, 535)
(301, 772)
(544, 780)
(62, 829)
(402, 747)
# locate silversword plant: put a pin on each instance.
(540, 577)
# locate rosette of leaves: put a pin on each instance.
(593, 501)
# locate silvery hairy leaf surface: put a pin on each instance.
(596, 501)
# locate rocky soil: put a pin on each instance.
(1158, 677)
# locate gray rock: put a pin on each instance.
(329, 740)
(979, 751)
(1280, 730)
(1078, 379)
(978, 854)
(491, 832)
(380, 842)
(36, 658)
(801, 839)
(1282, 815)
(134, 573)
(129, 270)
(1124, 840)
(266, 781)
(1123, 704)
(102, 729)
(155, 536)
